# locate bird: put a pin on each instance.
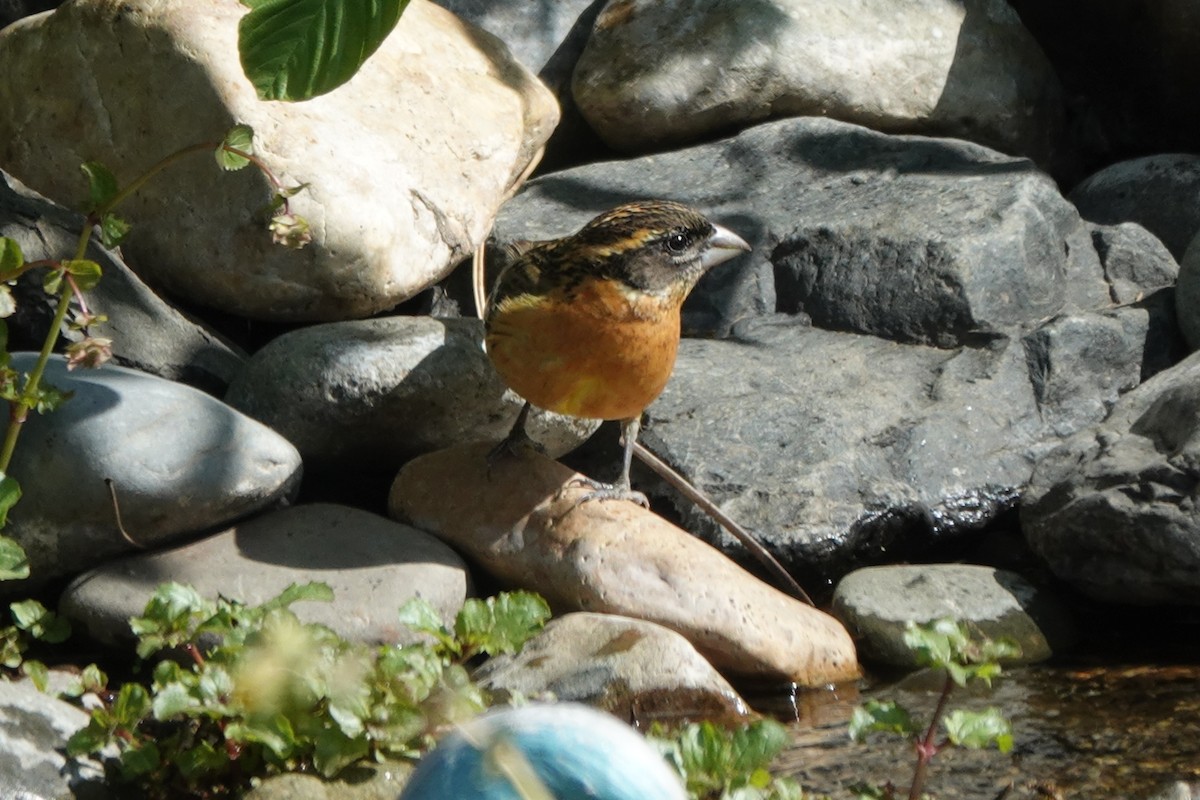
(544, 750)
(588, 325)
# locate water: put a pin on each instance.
(1111, 731)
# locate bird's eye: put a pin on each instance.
(678, 241)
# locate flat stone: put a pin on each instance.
(629, 667)
(877, 603)
(515, 520)
(373, 565)
(179, 461)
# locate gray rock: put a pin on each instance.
(629, 667)
(147, 333)
(373, 565)
(919, 239)
(1135, 261)
(383, 390)
(1081, 363)
(180, 462)
(877, 603)
(1160, 192)
(1112, 511)
(34, 729)
(534, 31)
(834, 448)
(662, 72)
(1187, 295)
(363, 780)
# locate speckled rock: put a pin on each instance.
(629, 667)
(616, 557)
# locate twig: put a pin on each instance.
(112, 491)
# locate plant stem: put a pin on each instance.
(926, 747)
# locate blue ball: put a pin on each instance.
(558, 751)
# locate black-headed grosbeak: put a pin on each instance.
(588, 325)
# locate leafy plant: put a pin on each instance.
(269, 693)
(298, 49)
(721, 764)
(948, 646)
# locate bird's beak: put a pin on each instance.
(723, 245)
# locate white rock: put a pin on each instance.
(406, 164)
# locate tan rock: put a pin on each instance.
(618, 558)
(632, 668)
(406, 163)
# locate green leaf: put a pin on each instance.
(419, 615)
(172, 700)
(113, 230)
(14, 563)
(11, 257)
(273, 732)
(85, 272)
(315, 591)
(877, 715)
(131, 706)
(240, 138)
(102, 185)
(201, 759)
(979, 729)
(37, 672)
(500, 624)
(52, 283)
(335, 751)
(48, 398)
(91, 738)
(298, 49)
(40, 623)
(141, 759)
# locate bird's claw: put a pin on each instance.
(604, 491)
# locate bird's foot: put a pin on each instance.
(517, 443)
(604, 491)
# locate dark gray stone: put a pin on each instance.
(1160, 192)
(147, 333)
(918, 239)
(180, 461)
(1113, 510)
(837, 449)
(877, 603)
(1135, 261)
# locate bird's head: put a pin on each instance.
(658, 247)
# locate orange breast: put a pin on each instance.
(603, 354)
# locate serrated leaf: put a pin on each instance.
(877, 715)
(113, 230)
(92, 678)
(39, 622)
(131, 706)
(239, 138)
(11, 257)
(314, 591)
(500, 624)
(273, 732)
(102, 185)
(172, 700)
(14, 563)
(88, 739)
(85, 272)
(298, 49)
(979, 729)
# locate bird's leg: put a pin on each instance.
(516, 440)
(621, 490)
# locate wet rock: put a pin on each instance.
(1112, 511)
(661, 73)
(910, 238)
(1135, 261)
(1159, 192)
(373, 565)
(631, 668)
(147, 333)
(835, 448)
(877, 603)
(457, 117)
(34, 729)
(573, 750)
(616, 557)
(180, 462)
(380, 391)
